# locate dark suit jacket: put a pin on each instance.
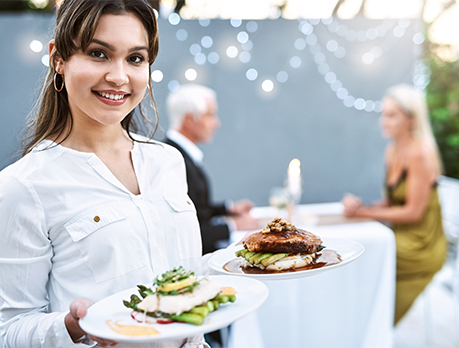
(199, 192)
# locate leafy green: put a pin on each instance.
(176, 275)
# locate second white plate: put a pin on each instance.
(348, 249)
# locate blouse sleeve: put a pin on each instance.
(25, 263)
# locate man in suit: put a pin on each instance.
(193, 119)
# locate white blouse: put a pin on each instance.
(70, 229)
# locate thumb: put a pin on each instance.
(78, 308)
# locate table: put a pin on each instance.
(351, 306)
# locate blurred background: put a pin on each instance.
(294, 78)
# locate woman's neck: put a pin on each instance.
(403, 141)
(99, 139)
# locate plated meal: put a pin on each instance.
(188, 304)
(178, 296)
(281, 247)
(283, 251)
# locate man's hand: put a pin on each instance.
(242, 207)
(245, 222)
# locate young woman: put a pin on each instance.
(91, 209)
(411, 203)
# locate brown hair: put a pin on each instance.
(76, 24)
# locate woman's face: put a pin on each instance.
(394, 122)
(109, 79)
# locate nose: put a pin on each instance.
(217, 122)
(117, 74)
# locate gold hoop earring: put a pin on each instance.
(55, 84)
(146, 93)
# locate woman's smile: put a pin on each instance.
(108, 79)
(110, 97)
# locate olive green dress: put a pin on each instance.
(421, 247)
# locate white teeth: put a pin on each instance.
(111, 96)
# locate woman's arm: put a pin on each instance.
(25, 265)
(419, 184)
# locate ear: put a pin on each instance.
(57, 61)
(188, 121)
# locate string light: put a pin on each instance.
(36, 46)
(181, 34)
(191, 74)
(267, 85)
(310, 39)
(45, 60)
(174, 18)
(157, 76)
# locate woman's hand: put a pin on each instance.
(351, 203)
(78, 310)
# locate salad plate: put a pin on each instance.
(347, 249)
(250, 294)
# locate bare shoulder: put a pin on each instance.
(418, 151)
(420, 159)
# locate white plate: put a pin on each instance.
(250, 294)
(348, 249)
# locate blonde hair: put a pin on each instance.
(412, 102)
(76, 24)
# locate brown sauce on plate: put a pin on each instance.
(326, 258)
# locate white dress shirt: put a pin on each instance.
(187, 145)
(70, 229)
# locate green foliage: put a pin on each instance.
(443, 102)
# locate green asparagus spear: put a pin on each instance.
(232, 298)
(248, 255)
(201, 310)
(254, 257)
(241, 252)
(222, 299)
(191, 318)
(210, 305)
(274, 258)
(260, 258)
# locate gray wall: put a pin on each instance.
(340, 148)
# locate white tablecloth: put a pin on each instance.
(351, 306)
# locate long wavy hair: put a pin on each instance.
(76, 24)
(413, 105)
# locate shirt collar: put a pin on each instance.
(187, 145)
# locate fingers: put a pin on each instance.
(78, 310)
(351, 203)
(103, 342)
(242, 206)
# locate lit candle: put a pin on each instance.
(294, 179)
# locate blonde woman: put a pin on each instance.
(411, 204)
(92, 208)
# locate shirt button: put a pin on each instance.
(96, 218)
(189, 203)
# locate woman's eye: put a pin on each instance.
(97, 54)
(136, 59)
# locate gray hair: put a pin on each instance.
(188, 99)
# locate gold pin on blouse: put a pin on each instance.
(189, 203)
(96, 218)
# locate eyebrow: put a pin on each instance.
(111, 48)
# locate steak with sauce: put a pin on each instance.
(292, 242)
